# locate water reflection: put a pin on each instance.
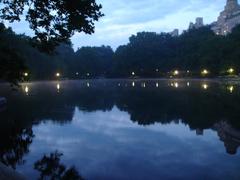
(50, 167)
(229, 135)
(14, 145)
(205, 86)
(133, 84)
(100, 118)
(230, 89)
(176, 85)
(26, 89)
(144, 85)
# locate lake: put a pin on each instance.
(122, 129)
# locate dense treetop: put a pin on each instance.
(53, 21)
(147, 54)
(194, 50)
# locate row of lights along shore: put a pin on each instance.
(204, 72)
(204, 86)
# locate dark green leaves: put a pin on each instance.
(53, 21)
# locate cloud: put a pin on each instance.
(107, 145)
(126, 17)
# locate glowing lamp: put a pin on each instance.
(205, 72)
(133, 73)
(231, 71)
(25, 74)
(176, 72)
(58, 74)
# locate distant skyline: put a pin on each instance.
(126, 17)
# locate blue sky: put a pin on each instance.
(126, 17)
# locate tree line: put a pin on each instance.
(148, 54)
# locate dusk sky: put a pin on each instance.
(126, 17)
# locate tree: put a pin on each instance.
(50, 167)
(53, 21)
(11, 61)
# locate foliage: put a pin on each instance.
(147, 54)
(97, 61)
(53, 21)
(15, 145)
(193, 50)
(11, 62)
(51, 167)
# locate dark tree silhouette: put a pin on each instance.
(11, 62)
(53, 21)
(50, 167)
(15, 146)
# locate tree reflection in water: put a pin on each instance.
(15, 146)
(50, 167)
(215, 107)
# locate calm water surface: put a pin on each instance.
(152, 129)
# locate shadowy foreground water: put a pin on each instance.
(134, 129)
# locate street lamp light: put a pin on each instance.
(231, 71)
(205, 72)
(58, 74)
(25, 74)
(176, 72)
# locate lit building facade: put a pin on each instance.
(228, 19)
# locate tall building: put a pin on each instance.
(197, 24)
(228, 19)
(229, 135)
(174, 33)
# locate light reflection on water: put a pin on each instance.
(108, 130)
(230, 87)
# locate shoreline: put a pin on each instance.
(216, 79)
